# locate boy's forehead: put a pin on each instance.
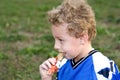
(60, 24)
(59, 30)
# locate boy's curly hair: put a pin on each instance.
(79, 16)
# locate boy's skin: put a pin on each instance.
(69, 45)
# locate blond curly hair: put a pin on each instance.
(79, 16)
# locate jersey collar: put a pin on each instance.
(75, 64)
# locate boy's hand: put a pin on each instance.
(44, 67)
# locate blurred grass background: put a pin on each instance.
(26, 39)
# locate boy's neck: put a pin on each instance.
(85, 51)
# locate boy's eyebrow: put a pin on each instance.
(55, 36)
(58, 37)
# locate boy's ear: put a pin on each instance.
(84, 38)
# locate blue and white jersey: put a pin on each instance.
(93, 67)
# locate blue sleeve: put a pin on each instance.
(116, 75)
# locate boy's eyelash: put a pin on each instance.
(60, 39)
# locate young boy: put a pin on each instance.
(74, 28)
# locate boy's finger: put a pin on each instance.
(52, 61)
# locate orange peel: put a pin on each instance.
(54, 68)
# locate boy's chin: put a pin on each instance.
(67, 57)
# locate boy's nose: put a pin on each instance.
(57, 46)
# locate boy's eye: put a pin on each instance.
(61, 40)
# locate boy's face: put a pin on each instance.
(70, 46)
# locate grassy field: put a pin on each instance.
(26, 40)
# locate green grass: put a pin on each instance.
(26, 39)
